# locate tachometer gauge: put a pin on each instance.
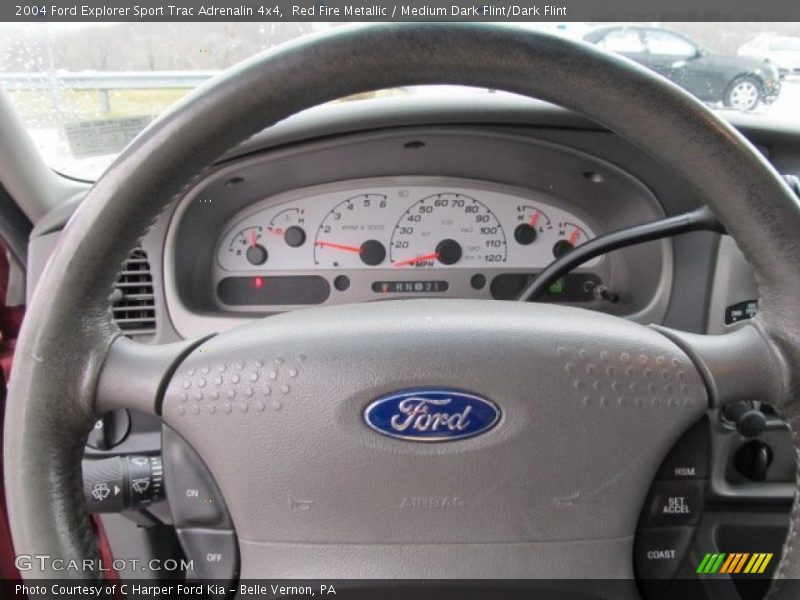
(569, 236)
(352, 234)
(448, 229)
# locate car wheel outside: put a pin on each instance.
(744, 94)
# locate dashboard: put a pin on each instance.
(406, 235)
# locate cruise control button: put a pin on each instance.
(214, 554)
(690, 457)
(659, 552)
(675, 502)
(194, 498)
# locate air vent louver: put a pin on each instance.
(133, 301)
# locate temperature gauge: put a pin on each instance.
(289, 224)
(569, 236)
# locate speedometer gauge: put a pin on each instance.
(448, 229)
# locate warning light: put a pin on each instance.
(557, 287)
(258, 282)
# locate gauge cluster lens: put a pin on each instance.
(399, 228)
(400, 237)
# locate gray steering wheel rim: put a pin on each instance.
(51, 402)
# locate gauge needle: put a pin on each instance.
(276, 231)
(355, 249)
(576, 233)
(253, 238)
(417, 259)
(535, 218)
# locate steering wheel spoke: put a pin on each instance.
(745, 364)
(135, 375)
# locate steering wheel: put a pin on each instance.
(589, 403)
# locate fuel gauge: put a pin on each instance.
(247, 242)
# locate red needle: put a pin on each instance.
(355, 249)
(276, 231)
(417, 259)
(574, 236)
(535, 218)
(253, 238)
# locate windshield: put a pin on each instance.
(85, 90)
(785, 44)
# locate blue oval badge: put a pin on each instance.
(431, 415)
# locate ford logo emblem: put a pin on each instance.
(431, 415)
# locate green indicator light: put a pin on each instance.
(557, 287)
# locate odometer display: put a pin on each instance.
(448, 230)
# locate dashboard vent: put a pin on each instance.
(133, 300)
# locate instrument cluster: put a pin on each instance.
(396, 237)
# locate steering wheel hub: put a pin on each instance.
(276, 410)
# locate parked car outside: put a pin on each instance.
(781, 50)
(736, 81)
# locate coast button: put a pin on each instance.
(659, 552)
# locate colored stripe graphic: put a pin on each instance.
(740, 563)
(717, 563)
(704, 564)
(734, 563)
(763, 566)
(727, 566)
(711, 563)
(752, 566)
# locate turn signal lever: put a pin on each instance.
(122, 483)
